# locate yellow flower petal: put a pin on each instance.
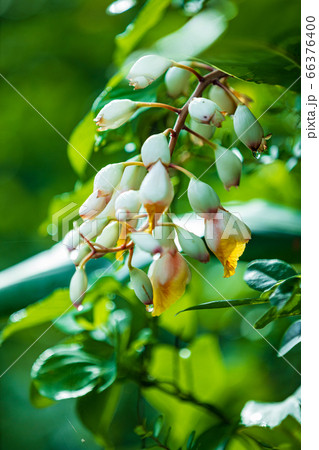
(169, 277)
(228, 253)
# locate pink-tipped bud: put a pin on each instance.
(78, 287)
(248, 129)
(107, 179)
(93, 205)
(228, 167)
(142, 286)
(154, 149)
(205, 111)
(218, 95)
(156, 192)
(146, 242)
(202, 198)
(192, 245)
(115, 114)
(110, 235)
(147, 69)
(127, 205)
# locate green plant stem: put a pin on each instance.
(182, 169)
(186, 397)
(183, 112)
(159, 105)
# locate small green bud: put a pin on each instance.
(147, 69)
(107, 179)
(142, 285)
(177, 81)
(192, 245)
(78, 287)
(218, 95)
(204, 110)
(228, 167)
(154, 149)
(110, 235)
(127, 205)
(115, 114)
(80, 253)
(207, 131)
(202, 198)
(248, 129)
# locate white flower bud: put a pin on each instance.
(205, 111)
(72, 239)
(147, 69)
(228, 167)
(93, 205)
(156, 148)
(202, 198)
(207, 131)
(107, 179)
(192, 245)
(132, 178)
(142, 286)
(109, 211)
(248, 129)
(127, 205)
(177, 81)
(115, 114)
(218, 95)
(165, 234)
(156, 192)
(146, 242)
(78, 287)
(110, 235)
(80, 253)
(92, 228)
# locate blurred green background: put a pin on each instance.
(59, 56)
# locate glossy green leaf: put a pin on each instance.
(291, 338)
(258, 45)
(81, 144)
(284, 291)
(149, 16)
(291, 308)
(226, 304)
(38, 400)
(66, 371)
(263, 274)
(271, 414)
(39, 313)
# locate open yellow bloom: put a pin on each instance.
(226, 236)
(169, 276)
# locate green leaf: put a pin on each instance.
(158, 425)
(66, 371)
(226, 304)
(258, 45)
(149, 16)
(37, 314)
(282, 294)
(271, 414)
(38, 400)
(81, 144)
(291, 338)
(292, 308)
(263, 274)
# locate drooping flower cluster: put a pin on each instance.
(130, 204)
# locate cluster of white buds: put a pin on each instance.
(130, 204)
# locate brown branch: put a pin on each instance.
(180, 121)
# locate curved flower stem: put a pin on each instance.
(133, 163)
(190, 69)
(158, 105)
(180, 122)
(201, 65)
(199, 136)
(182, 169)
